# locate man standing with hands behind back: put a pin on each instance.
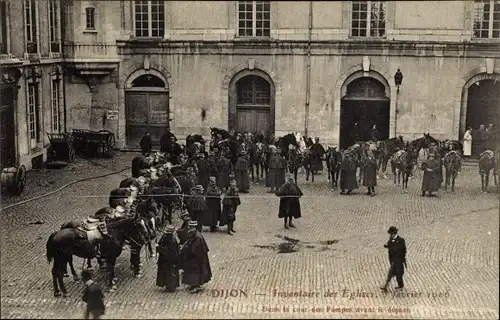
(397, 258)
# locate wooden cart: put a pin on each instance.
(61, 150)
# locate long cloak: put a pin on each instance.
(223, 172)
(317, 153)
(430, 180)
(241, 174)
(197, 207)
(195, 262)
(348, 174)
(289, 194)
(370, 173)
(230, 204)
(168, 262)
(213, 199)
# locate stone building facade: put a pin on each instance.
(316, 67)
(32, 93)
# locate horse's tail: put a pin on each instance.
(51, 247)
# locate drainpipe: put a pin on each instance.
(308, 73)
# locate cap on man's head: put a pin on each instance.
(193, 224)
(392, 230)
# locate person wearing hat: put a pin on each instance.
(430, 179)
(289, 207)
(197, 206)
(195, 262)
(241, 172)
(167, 275)
(146, 144)
(277, 167)
(317, 154)
(224, 169)
(348, 170)
(212, 215)
(203, 170)
(397, 258)
(182, 232)
(370, 173)
(93, 297)
(230, 204)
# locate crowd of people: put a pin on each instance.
(476, 141)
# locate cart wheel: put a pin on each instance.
(51, 154)
(20, 181)
(71, 153)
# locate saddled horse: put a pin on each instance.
(453, 164)
(260, 159)
(488, 163)
(80, 241)
(284, 144)
(384, 151)
(333, 161)
(295, 161)
(402, 163)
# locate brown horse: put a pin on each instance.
(402, 163)
(487, 163)
(452, 163)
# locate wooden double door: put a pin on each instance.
(7, 126)
(254, 120)
(146, 111)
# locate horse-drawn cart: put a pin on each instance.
(13, 179)
(61, 150)
(100, 144)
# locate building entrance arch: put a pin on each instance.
(146, 108)
(365, 103)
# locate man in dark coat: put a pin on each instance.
(277, 167)
(431, 178)
(93, 297)
(182, 232)
(224, 169)
(197, 206)
(230, 204)
(370, 174)
(203, 170)
(317, 153)
(174, 150)
(241, 173)
(289, 208)
(213, 200)
(166, 140)
(397, 258)
(195, 263)
(146, 144)
(168, 261)
(348, 179)
(374, 134)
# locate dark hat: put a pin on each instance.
(193, 224)
(392, 230)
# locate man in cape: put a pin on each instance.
(195, 262)
(168, 261)
(289, 207)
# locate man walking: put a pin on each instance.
(397, 258)
(93, 296)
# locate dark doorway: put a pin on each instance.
(147, 109)
(366, 104)
(483, 104)
(253, 105)
(7, 127)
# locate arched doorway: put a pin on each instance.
(365, 103)
(251, 104)
(483, 108)
(146, 109)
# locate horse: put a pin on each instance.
(452, 163)
(487, 163)
(384, 151)
(139, 164)
(194, 144)
(118, 195)
(423, 143)
(63, 244)
(402, 163)
(259, 160)
(357, 152)
(333, 161)
(295, 161)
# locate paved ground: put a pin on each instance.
(339, 261)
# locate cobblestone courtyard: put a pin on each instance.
(339, 259)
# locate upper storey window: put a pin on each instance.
(55, 25)
(30, 26)
(149, 19)
(368, 19)
(3, 27)
(90, 18)
(487, 19)
(254, 18)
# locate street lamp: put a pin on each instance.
(398, 79)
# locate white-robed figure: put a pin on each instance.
(468, 142)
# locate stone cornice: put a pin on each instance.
(347, 47)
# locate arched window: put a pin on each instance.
(366, 88)
(148, 80)
(253, 90)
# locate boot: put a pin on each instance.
(290, 224)
(286, 225)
